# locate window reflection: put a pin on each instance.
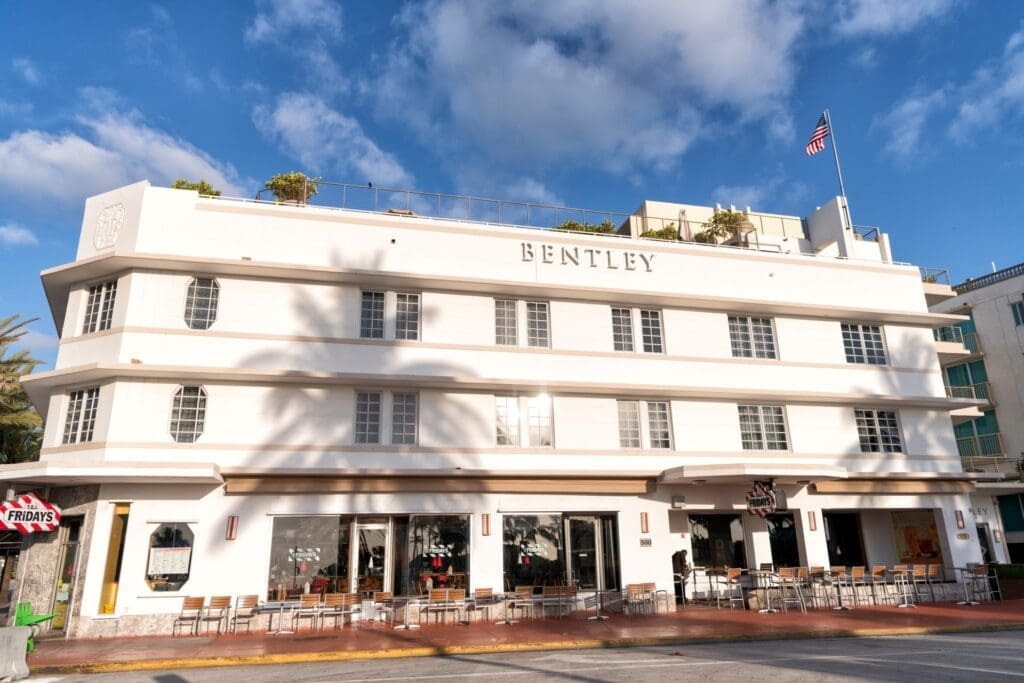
(533, 550)
(782, 535)
(309, 550)
(717, 540)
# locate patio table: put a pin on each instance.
(410, 601)
(279, 606)
(966, 576)
(762, 580)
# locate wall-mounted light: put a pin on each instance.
(812, 520)
(644, 526)
(485, 524)
(997, 535)
(232, 530)
(960, 520)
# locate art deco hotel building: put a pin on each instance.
(266, 398)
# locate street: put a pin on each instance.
(955, 657)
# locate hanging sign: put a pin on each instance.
(29, 513)
(761, 499)
(303, 554)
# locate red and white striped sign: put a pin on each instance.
(761, 500)
(28, 514)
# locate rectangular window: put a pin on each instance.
(505, 322)
(99, 309)
(1017, 307)
(622, 329)
(537, 324)
(751, 337)
(407, 316)
(81, 416)
(863, 344)
(371, 319)
(650, 328)
(368, 417)
(403, 418)
(763, 428)
(506, 409)
(539, 415)
(629, 424)
(659, 424)
(879, 431)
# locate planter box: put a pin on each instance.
(1013, 589)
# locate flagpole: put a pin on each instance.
(839, 170)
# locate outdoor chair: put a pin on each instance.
(384, 607)
(981, 583)
(919, 581)
(662, 595)
(789, 589)
(936, 576)
(859, 585)
(191, 611)
(901, 578)
(341, 605)
(638, 600)
(522, 601)
(246, 611)
(879, 582)
(732, 591)
(217, 611)
(444, 600)
(821, 579)
(840, 580)
(483, 601)
(309, 608)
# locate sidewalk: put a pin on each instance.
(694, 624)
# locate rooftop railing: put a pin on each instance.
(992, 278)
(982, 446)
(867, 233)
(935, 275)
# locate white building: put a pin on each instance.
(250, 397)
(992, 369)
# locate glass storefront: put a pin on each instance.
(717, 541)
(782, 536)
(435, 553)
(843, 536)
(533, 550)
(581, 550)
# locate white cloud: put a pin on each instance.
(888, 17)
(13, 235)
(531, 190)
(904, 125)
(156, 45)
(27, 69)
(36, 342)
(866, 58)
(741, 195)
(112, 148)
(994, 93)
(279, 19)
(603, 83)
(323, 139)
(15, 108)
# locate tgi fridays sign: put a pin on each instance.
(761, 500)
(29, 514)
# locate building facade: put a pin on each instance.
(993, 371)
(260, 398)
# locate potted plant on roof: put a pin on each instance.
(667, 232)
(724, 225)
(293, 187)
(200, 186)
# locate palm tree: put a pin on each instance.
(20, 424)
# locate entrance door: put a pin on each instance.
(66, 572)
(372, 554)
(986, 549)
(842, 534)
(584, 548)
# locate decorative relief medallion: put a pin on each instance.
(108, 226)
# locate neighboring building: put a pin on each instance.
(993, 370)
(255, 398)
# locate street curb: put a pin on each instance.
(452, 650)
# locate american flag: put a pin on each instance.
(817, 141)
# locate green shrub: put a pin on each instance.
(288, 187)
(200, 186)
(1010, 571)
(605, 227)
(669, 232)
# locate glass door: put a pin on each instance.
(67, 566)
(585, 556)
(371, 554)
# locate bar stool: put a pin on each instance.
(733, 589)
(901, 581)
(879, 580)
(841, 579)
(936, 575)
(858, 580)
(821, 579)
(919, 579)
(787, 581)
(981, 583)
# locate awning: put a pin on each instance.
(745, 473)
(106, 472)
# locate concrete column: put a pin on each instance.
(959, 546)
(813, 544)
(759, 547)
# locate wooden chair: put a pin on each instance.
(384, 607)
(246, 611)
(879, 580)
(638, 600)
(191, 612)
(732, 592)
(823, 580)
(438, 602)
(217, 610)
(858, 581)
(787, 580)
(919, 580)
(521, 601)
(483, 600)
(341, 605)
(309, 608)
(936, 575)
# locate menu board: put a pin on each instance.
(163, 561)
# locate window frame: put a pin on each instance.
(191, 308)
(872, 429)
(356, 432)
(744, 324)
(622, 329)
(531, 428)
(648, 342)
(1017, 310)
(668, 425)
(762, 431)
(403, 319)
(203, 400)
(80, 423)
(367, 319)
(99, 314)
(501, 328)
(415, 418)
(626, 440)
(533, 337)
(856, 351)
(514, 436)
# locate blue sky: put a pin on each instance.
(595, 104)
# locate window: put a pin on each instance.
(537, 324)
(1017, 308)
(505, 322)
(629, 424)
(407, 316)
(539, 415)
(863, 344)
(751, 337)
(170, 557)
(371, 319)
(506, 409)
(81, 417)
(188, 414)
(763, 428)
(201, 303)
(650, 328)
(368, 417)
(879, 431)
(403, 418)
(100, 307)
(622, 329)
(659, 424)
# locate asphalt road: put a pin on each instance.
(975, 656)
